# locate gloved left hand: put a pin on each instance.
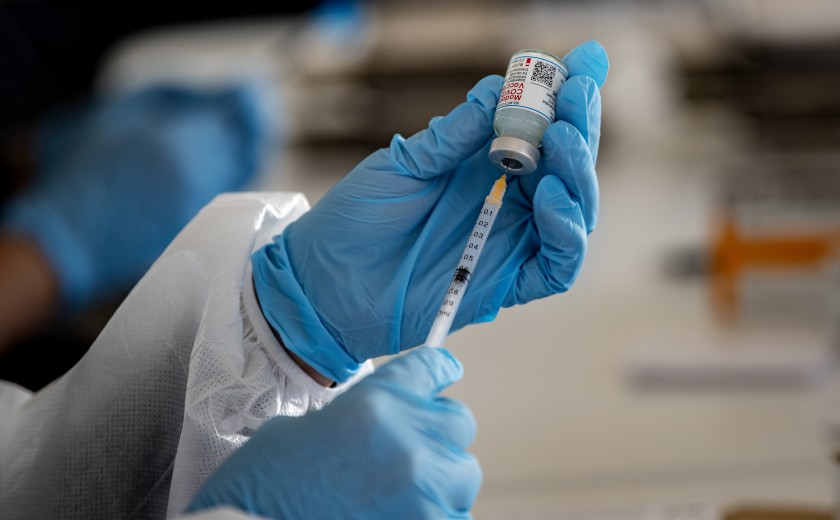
(117, 180)
(389, 447)
(364, 272)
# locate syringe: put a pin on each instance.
(466, 266)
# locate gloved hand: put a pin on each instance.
(117, 180)
(387, 448)
(364, 272)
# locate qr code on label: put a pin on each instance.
(543, 73)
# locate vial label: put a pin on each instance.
(532, 82)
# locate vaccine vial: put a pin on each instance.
(526, 107)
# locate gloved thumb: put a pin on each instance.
(449, 140)
(425, 371)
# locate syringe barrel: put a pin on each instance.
(448, 310)
(452, 301)
(480, 232)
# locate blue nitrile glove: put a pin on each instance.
(116, 181)
(364, 272)
(387, 448)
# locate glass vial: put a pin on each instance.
(526, 107)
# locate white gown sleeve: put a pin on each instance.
(231, 393)
(12, 397)
(183, 372)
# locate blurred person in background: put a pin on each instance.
(94, 186)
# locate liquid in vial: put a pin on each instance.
(526, 107)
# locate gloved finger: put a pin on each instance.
(588, 59)
(567, 156)
(424, 372)
(562, 232)
(451, 481)
(579, 103)
(450, 139)
(453, 423)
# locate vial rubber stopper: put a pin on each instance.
(518, 156)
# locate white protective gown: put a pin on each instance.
(185, 370)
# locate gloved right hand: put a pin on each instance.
(364, 272)
(389, 447)
(116, 181)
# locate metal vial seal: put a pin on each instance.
(526, 107)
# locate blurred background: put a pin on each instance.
(691, 370)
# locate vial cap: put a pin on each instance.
(517, 156)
